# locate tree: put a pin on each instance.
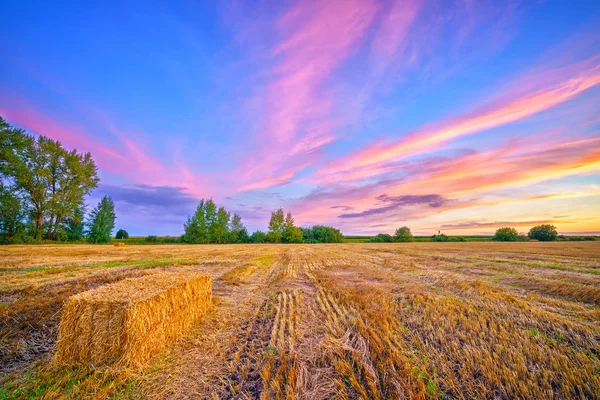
(122, 234)
(326, 234)
(239, 234)
(382, 237)
(543, 233)
(276, 226)
(258, 237)
(74, 225)
(210, 216)
(11, 215)
(102, 221)
(243, 236)
(195, 229)
(307, 235)
(291, 233)
(506, 235)
(50, 180)
(403, 235)
(439, 238)
(221, 226)
(151, 239)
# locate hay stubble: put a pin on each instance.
(421, 320)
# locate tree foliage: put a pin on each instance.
(74, 225)
(403, 235)
(11, 215)
(382, 238)
(291, 233)
(122, 234)
(440, 238)
(258, 237)
(322, 234)
(543, 233)
(276, 226)
(102, 221)
(49, 181)
(212, 224)
(506, 234)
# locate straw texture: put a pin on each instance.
(124, 323)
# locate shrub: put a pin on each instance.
(381, 238)
(102, 221)
(403, 234)
(439, 238)
(506, 235)
(151, 239)
(543, 233)
(322, 234)
(258, 237)
(122, 234)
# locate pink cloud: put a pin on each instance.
(32, 120)
(126, 157)
(316, 39)
(394, 27)
(466, 181)
(510, 107)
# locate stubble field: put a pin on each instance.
(370, 321)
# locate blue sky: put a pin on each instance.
(319, 107)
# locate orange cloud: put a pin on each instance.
(572, 81)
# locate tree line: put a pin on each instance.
(42, 191)
(212, 224)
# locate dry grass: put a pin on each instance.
(126, 322)
(370, 321)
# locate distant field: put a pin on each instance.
(372, 321)
(365, 239)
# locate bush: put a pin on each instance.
(151, 239)
(322, 234)
(381, 238)
(506, 235)
(543, 233)
(258, 237)
(439, 238)
(122, 234)
(403, 234)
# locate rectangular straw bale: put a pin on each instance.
(124, 323)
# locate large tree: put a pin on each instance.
(403, 234)
(221, 227)
(291, 233)
(276, 225)
(102, 221)
(11, 215)
(50, 180)
(195, 229)
(75, 225)
(238, 232)
(543, 233)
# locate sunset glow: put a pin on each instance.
(365, 115)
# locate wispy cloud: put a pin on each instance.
(508, 108)
(316, 39)
(392, 203)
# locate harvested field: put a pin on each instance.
(346, 321)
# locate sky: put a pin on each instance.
(367, 115)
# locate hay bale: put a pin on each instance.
(119, 244)
(124, 323)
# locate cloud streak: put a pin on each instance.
(511, 107)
